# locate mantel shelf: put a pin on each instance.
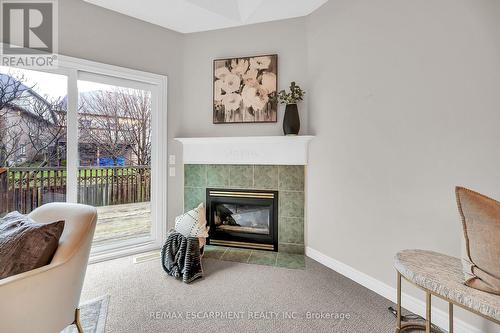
(270, 150)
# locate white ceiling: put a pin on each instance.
(201, 15)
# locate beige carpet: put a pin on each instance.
(258, 299)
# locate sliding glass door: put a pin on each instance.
(114, 158)
(88, 133)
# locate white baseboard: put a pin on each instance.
(439, 317)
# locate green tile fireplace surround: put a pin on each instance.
(288, 180)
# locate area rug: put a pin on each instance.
(93, 315)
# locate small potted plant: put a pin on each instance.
(291, 121)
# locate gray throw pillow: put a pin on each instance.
(26, 245)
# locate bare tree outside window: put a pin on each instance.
(118, 124)
(46, 132)
(11, 90)
(31, 126)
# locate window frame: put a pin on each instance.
(79, 69)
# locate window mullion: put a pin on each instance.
(72, 138)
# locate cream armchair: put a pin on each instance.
(45, 300)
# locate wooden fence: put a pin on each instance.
(24, 189)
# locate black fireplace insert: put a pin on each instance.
(243, 218)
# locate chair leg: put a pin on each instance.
(398, 306)
(450, 317)
(77, 321)
(428, 308)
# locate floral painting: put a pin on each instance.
(245, 89)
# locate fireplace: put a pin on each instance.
(243, 218)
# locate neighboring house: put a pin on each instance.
(101, 138)
(24, 118)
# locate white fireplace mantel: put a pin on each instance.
(271, 150)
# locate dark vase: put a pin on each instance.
(291, 122)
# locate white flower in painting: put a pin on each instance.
(269, 82)
(222, 72)
(231, 102)
(218, 85)
(239, 67)
(249, 93)
(250, 77)
(231, 83)
(260, 103)
(255, 97)
(260, 62)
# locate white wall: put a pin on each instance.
(405, 103)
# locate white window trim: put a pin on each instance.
(74, 69)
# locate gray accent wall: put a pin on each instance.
(404, 100)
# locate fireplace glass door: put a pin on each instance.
(243, 218)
